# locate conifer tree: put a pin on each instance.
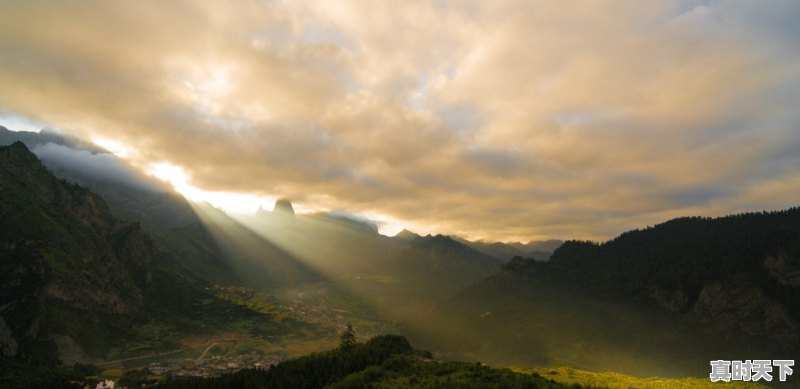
(348, 337)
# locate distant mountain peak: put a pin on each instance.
(18, 149)
(283, 206)
(407, 235)
(442, 242)
(20, 162)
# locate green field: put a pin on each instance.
(611, 380)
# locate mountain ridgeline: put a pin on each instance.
(63, 255)
(442, 262)
(94, 267)
(79, 285)
(75, 278)
(664, 300)
(164, 215)
(739, 272)
(271, 250)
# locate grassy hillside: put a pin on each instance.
(386, 361)
(566, 375)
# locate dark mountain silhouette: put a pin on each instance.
(540, 250)
(389, 272)
(165, 215)
(205, 241)
(442, 265)
(283, 206)
(406, 235)
(538, 245)
(664, 300)
(420, 275)
(76, 282)
(739, 272)
(65, 256)
(273, 250)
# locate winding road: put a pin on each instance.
(206, 351)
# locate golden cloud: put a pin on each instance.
(502, 120)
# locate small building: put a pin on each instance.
(105, 384)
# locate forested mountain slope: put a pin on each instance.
(659, 301)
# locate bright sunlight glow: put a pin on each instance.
(234, 203)
(245, 204)
(208, 87)
(113, 147)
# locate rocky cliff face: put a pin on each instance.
(744, 307)
(741, 305)
(785, 269)
(166, 216)
(65, 262)
(737, 275)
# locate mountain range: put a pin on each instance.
(102, 264)
(694, 289)
(76, 275)
(66, 260)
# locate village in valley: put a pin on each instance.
(214, 366)
(229, 353)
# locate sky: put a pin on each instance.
(500, 120)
